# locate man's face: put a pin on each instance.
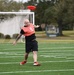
(27, 23)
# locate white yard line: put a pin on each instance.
(58, 55)
(12, 56)
(11, 53)
(56, 51)
(57, 48)
(6, 63)
(43, 55)
(41, 48)
(12, 49)
(61, 70)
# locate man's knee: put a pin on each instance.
(34, 52)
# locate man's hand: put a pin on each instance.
(36, 26)
(18, 37)
(14, 43)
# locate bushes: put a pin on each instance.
(14, 36)
(7, 37)
(1, 35)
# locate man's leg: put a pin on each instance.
(25, 60)
(35, 58)
(26, 56)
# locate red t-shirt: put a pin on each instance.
(28, 32)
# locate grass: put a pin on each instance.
(68, 35)
(56, 58)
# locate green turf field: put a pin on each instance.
(56, 58)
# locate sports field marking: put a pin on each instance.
(57, 51)
(40, 48)
(54, 53)
(11, 53)
(45, 56)
(12, 49)
(5, 63)
(61, 70)
(57, 40)
(19, 53)
(48, 54)
(11, 56)
(57, 48)
(51, 56)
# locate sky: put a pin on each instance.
(21, 0)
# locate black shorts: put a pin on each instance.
(31, 46)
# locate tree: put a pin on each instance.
(40, 11)
(62, 13)
(10, 5)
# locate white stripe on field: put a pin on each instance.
(61, 70)
(57, 55)
(58, 48)
(45, 55)
(48, 54)
(10, 56)
(11, 53)
(40, 48)
(20, 53)
(13, 49)
(4, 63)
(57, 51)
(43, 52)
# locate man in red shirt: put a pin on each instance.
(30, 41)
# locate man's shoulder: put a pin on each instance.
(31, 24)
(22, 32)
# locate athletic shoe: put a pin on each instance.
(23, 62)
(36, 64)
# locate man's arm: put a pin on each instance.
(18, 37)
(36, 26)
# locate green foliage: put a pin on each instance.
(62, 13)
(67, 27)
(40, 11)
(7, 37)
(10, 5)
(15, 36)
(1, 35)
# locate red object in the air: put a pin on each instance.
(31, 7)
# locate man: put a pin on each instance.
(30, 41)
